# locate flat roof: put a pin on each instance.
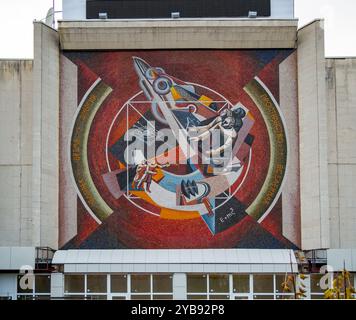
(177, 260)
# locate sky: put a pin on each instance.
(16, 29)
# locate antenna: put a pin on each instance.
(50, 17)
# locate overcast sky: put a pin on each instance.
(16, 17)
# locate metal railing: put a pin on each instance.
(44, 256)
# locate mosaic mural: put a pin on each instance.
(179, 149)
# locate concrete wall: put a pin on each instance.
(45, 135)
(29, 104)
(313, 137)
(67, 192)
(341, 101)
(178, 34)
(16, 227)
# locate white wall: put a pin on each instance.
(179, 286)
(341, 99)
(313, 137)
(16, 258)
(29, 105)
(45, 136)
(16, 227)
(339, 259)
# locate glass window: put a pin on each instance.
(197, 283)
(25, 283)
(219, 283)
(74, 297)
(42, 297)
(241, 283)
(280, 279)
(352, 279)
(263, 297)
(96, 297)
(219, 297)
(43, 283)
(262, 283)
(140, 283)
(119, 283)
(162, 283)
(315, 283)
(162, 297)
(197, 297)
(74, 283)
(285, 297)
(96, 283)
(140, 297)
(25, 297)
(349, 281)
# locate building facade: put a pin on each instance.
(186, 156)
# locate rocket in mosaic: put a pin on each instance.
(180, 149)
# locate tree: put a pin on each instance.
(342, 287)
(291, 285)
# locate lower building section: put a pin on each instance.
(197, 286)
(158, 286)
(172, 275)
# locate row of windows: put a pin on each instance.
(160, 286)
(118, 283)
(34, 284)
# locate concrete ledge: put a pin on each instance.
(178, 34)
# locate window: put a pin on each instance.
(264, 297)
(280, 279)
(162, 297)
(140, 283)
(315, 283)
(162, 287)
(197, 283)
(25, 283)
(219, 283)
(74, 283)
(263, 283)
(197, 297)
(97, 283)
(219, 297)
(96, 297)
(43, 284)
(208, 286)
(42, 297)
(285, 297)
(162, 283)
(241, 283)
(119, 283)
(74, 297)
(141, 297)
(25, 297)
(34, 287)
